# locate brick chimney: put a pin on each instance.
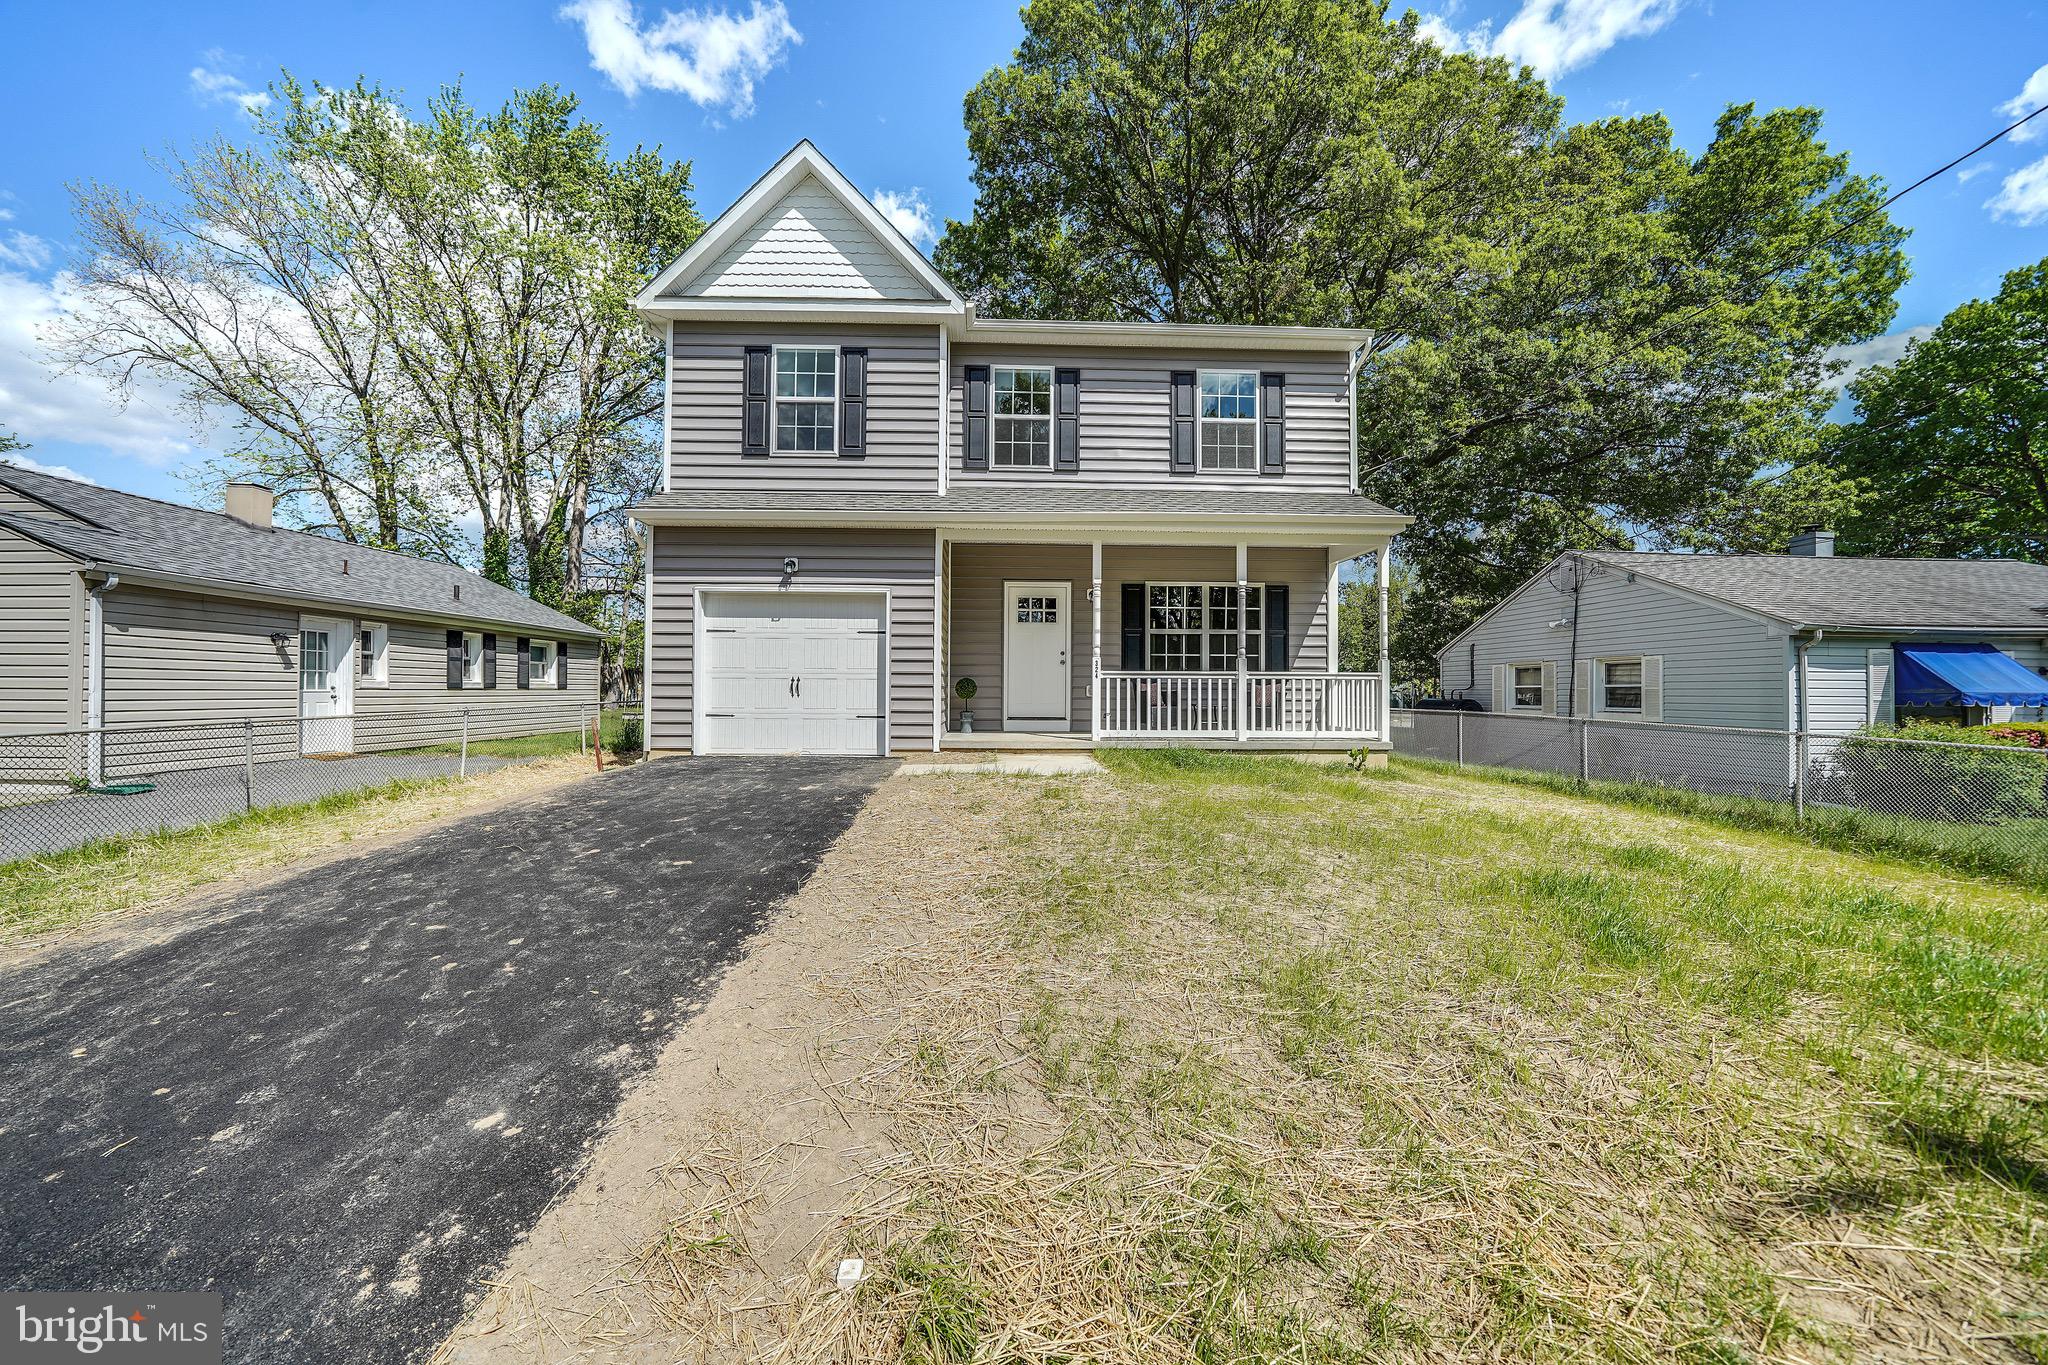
(250, 502)
(1813, 543)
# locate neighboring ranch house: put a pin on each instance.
(1804, 641)
(125, 611)
(1122, 533)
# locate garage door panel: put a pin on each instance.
(832, 644)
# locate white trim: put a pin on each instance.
(1095, 651)
(1542, 667)
(546, 679)
(668, 409)
(1245, 638)
(467, 636)
(776, 398)
(1203, 423)
(1364, 529)
(646, 642)
(1160, 335)
(801, 160)
(1332, 604)
(382, 656)
(1600, 664)
(1049, 587)
(697, 595)
(1354, 360)
(341, 671)
(942, 624)
(1051, 376)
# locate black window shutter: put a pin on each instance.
(1276, 627)
(562, 665)
(490, 660)
(853, 402)
(455, 658)
(1272, 424)
(1066, 420)
(1133, 627)
(1183, 457)
(524, 646)
(754, 419)
(974, 450)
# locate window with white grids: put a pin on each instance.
(806, 397)
(1022, 435)
(1229, 419)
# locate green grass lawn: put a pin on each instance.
(1421, 1065)
(553, 744)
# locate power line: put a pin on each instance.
(1558, 386)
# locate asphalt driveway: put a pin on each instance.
(341, 1099)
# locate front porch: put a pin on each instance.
(1220, 645)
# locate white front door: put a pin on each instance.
(1038, 681)
(327, 686)
(792, 672)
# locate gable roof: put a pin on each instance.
(151, 539)
(801, 233)
(1844, 592)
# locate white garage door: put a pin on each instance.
(789, 672)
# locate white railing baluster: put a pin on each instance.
(1321, 706)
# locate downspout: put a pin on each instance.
(1802, 742)
(96, 678)
(1351, 403)
(1800, 717)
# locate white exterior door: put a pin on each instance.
(792, 672)
(1038, 628)
(327, 686)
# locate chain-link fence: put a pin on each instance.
(1985, 795)
(61, 789)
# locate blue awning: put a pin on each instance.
(1965, 675)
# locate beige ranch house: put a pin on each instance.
(1122, 533)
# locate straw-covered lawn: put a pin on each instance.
(1222, 1059)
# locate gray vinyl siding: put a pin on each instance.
(706, 395)
(977, 572)
(1125, 429)
(687, 559)
(807, 245)
(1838, 672)
(416, 704)
(40, 637)
(1720, 667)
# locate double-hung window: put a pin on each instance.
(376, 647)
(472, 659)
(1023, 418)
(1192, 626)
(1621, 684)
(806, 397)
(1528, 685)
(1229, 419)
(540, 662)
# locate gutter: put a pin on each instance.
(1799, 718)
(96, 676)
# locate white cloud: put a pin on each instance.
(16, 457)
(1884, 350)
(1553, 37)
(710, 55)
(42, 404)
(2032, 96)
(212, 85)
(909, 213)
(23, 251)
(1969, 173)
(2023, 195)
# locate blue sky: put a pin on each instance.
(731, 84)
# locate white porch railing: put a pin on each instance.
(1211, 706)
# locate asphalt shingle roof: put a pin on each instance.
(146, 535)
(1056, 498)
(1844, 591)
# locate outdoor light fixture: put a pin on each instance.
(279, 638)
(789, 565)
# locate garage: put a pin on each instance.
(792, 672)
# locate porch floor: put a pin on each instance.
(1027, 741)
(1016, 741)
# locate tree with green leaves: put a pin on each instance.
(408, 321)
(1583, 335)
(1955, 435)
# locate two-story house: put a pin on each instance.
(1121, 532)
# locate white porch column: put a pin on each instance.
(1385, 719)
(1244, 689)
(942, 627)
(1332, 602)
(1095, 654)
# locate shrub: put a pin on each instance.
(1966, 775)
(628, 738)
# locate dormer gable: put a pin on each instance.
(802, 235)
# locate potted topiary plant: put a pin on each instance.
(965, 690)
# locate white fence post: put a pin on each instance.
(1799, 758)
(463, 769)
(248, 764)
(1585, 764)
(1460, 715)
